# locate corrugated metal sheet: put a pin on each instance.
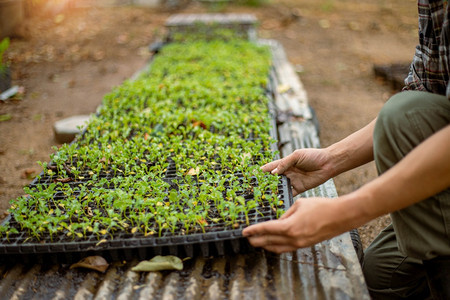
(321, 272)
(329, 270)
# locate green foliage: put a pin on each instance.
(254, 3)
(174, 152)
(327, 5)
(4, 45)
(210, 32)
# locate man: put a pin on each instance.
(410, 142)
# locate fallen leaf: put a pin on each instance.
(58, 18)
(354, 26)
(246, 157)
(96, 263)
(159, 263)
(98, 55)
(283, 88)
(325, 24)
(28, 173)
(193, 171)
(64, 180)
(270, 24)
(199, 124)
(101, 242)
(5, 117)
(122, 39)
(202, 221)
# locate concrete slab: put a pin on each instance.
(65, 130)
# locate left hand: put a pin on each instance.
(308, 222)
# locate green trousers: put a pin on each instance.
(393, 263)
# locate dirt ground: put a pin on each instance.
(67, 62)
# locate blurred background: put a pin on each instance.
(65, 55)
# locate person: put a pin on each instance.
(410, 143)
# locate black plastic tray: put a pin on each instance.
(216, 241)
(218, 238)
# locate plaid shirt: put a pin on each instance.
(430, 68)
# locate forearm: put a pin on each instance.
(353, 151)
(424, 172)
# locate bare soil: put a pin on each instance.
(68, 61)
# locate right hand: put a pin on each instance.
(306, 168)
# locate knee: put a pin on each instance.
(394, 133)
(369, 268)
(393, 115)
(389, 130)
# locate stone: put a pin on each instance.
(65, 130)
(147, 3)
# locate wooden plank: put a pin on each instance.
(289, 92)
(330, 269)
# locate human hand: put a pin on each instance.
(306, 168)
(308, 222)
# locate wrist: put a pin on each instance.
(352, 215)
(361, 206)
(334, 162)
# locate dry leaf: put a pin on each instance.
(64, 180)
(101, 242)
(96, 263)
(28, 173)
(202, 221)
(159, 263)
(283, 88)
(246, 157)
(325, 24)
(5, 117)
(193, 171)
(59, 18)
(199, 124)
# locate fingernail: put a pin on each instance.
(274, 171)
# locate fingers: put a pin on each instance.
(276, 227)
(296, 191)
(278, 166)
(269, 240)
(290, 211)
(274, 235)
(273, 243)
(271, 167)
(281, 165)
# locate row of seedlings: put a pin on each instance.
(176, 152)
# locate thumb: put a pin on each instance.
(291, 210)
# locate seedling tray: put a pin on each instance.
(217, 240)
(158, 173)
